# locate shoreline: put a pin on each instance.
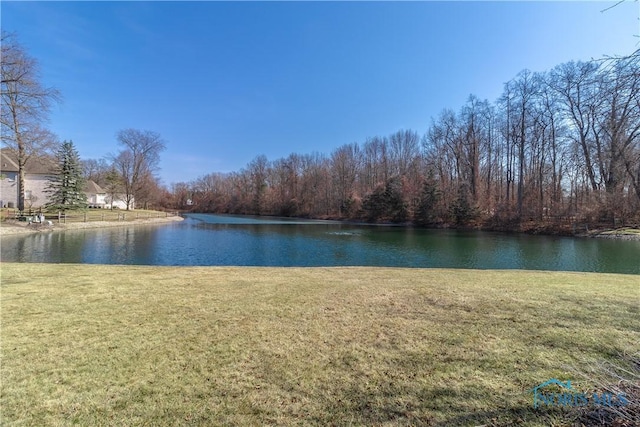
(613, 234)
(621, 233)
(16, 228)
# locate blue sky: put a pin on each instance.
(223, 82)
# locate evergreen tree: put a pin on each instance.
(66, 186)
(464, 212)
(386, 203)
(427, 212)
(396, 208)
(374, 206)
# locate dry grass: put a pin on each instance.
(116, 345)
(89, 219)
(90, 215)
(621, 377)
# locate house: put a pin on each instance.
(98, 198)
(36, 180)
(119, 203)
(38, 172)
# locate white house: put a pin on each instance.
(38, 171)
(98, 198)
(119, 203)
(36, 179)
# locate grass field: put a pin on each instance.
(120, 345)
(90, 215)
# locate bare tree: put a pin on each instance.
(574, 82)
(182, 195)
(138, 162)
(313, 186)
(284, 175)
(258, 171)
(25, 106)
(112, 185)
(372, 175)
(619, 126)
(405, 147)
(525, 86)
(345, 163)
(96, 170)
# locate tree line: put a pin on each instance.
(560, 145)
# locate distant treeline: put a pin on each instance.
(562, 145)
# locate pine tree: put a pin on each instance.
(66, 187)
(427, 212)
(373, 205)
(464, 211)
(386, 203)
(396, 209)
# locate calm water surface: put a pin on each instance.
(203, 239)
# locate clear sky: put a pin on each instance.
(223, 82)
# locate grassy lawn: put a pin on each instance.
(119, 345)
(91, 215)
(109, 215)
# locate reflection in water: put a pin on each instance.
(227, 240)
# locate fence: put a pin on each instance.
(85, 216)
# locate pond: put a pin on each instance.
(209, 240)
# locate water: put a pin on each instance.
(206, 240)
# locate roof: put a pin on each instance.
(6, 163)
(35, 165)
(93, 188)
